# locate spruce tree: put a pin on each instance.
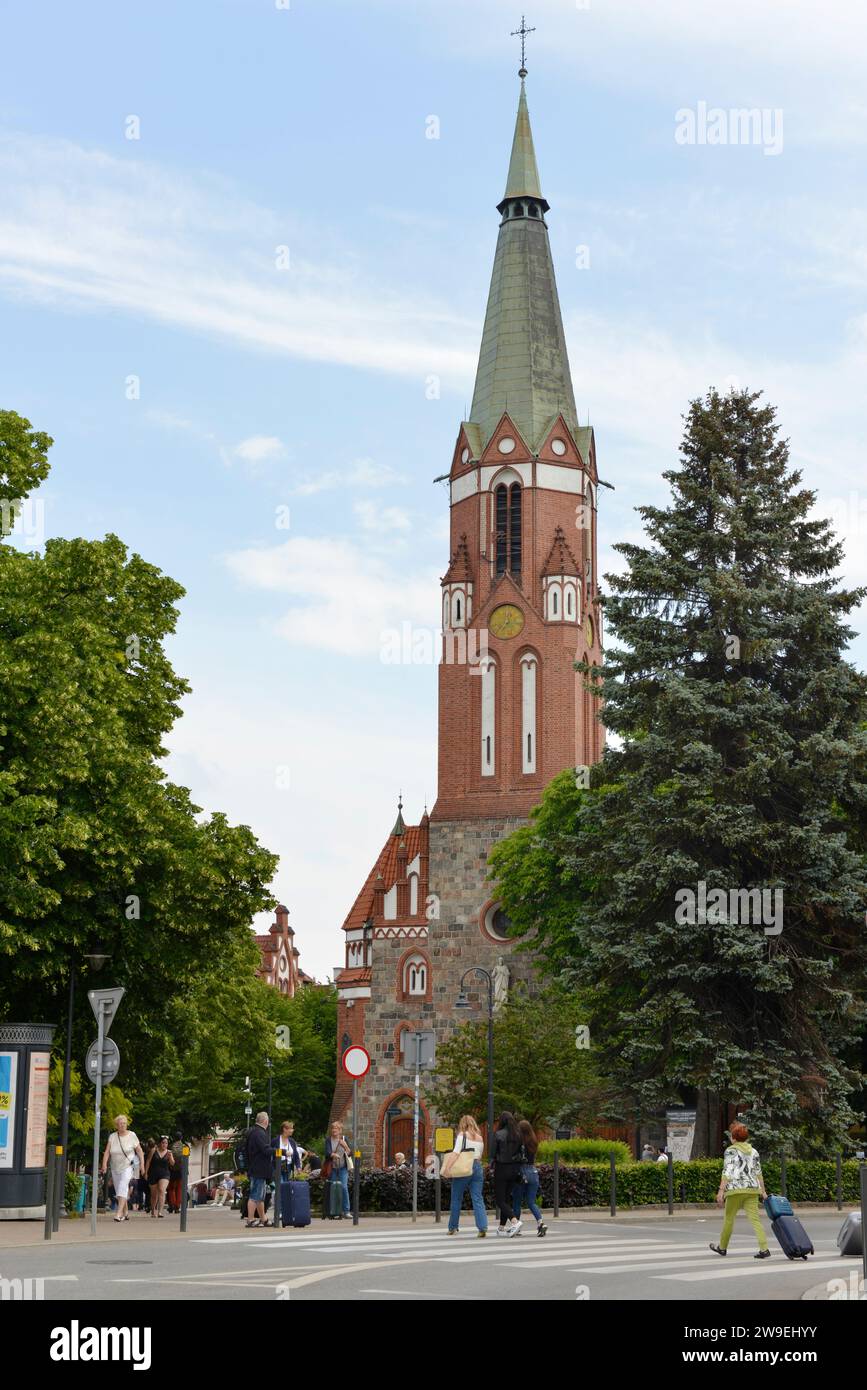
(739, 763)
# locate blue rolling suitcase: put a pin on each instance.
(295, 1203)
(794, 1241)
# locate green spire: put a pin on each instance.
(523, 364)
(523, 171)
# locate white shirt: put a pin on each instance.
(286, 1146)
(121, 1151)
(465, 1143)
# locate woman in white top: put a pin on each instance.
(469, 1141)
(122, 1148)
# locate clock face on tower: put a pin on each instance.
(506, 621)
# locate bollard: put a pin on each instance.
(278, 1198)
(185, 1174)
(840, 1182)
(58, 1187)
(670, 1176)
(613, 1162)
(783, 1192)
(863, 1176)
(50, 1166)
(556, 1184)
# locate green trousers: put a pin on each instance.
(746, 1200)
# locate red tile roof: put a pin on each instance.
(415, 838)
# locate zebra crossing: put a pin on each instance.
(576, 1248)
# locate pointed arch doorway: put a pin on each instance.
(397, 1131)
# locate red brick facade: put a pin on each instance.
(279, 956)
(519, 610)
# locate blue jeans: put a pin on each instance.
(527, 1189)
(343, 1175)
(475, 1183)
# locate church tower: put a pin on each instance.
(518, 611)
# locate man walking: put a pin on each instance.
(259, 1167)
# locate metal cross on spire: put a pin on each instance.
(523, 31)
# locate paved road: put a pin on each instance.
(391, 1260)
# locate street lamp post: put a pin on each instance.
(270, 1065)
(463, 1002)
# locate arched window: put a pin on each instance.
(415, 975)
(457, 609)
(489, 695)
(507, 518)
(554, 605)
(528, 713)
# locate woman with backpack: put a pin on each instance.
(463, 1166)
(739, 1188)
(505, 1158)
(527, 1189)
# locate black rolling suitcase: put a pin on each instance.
(794, 1241)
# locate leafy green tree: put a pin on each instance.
(740, 764)
(540, 1072)
(96, 844)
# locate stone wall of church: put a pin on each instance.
(456, 941)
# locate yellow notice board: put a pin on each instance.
(444, 1140)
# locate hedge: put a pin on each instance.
(640, 1184)
(577, 1151)
(589, 1184)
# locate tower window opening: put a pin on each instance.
(488, 750)
(458, 609)
(507, 510)
(529, 748)
(502, 521)
(533, 210)
(554, 602)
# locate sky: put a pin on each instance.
(245, 248)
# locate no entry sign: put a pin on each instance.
(356, 1062)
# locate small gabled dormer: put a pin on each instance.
(458, 589)
(561, 587)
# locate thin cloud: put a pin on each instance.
(83, 229)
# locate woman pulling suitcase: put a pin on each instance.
(741, 1184)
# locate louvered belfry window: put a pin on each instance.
(507, 507)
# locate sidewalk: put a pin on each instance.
(207, 1222)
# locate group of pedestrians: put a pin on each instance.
(516, 1177)
(145, 1179)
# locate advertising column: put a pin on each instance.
(25, 1062)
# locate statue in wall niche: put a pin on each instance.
(500, 977)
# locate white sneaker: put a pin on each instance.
(503, 1230)
(515, 1230)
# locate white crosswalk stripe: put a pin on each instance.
(589, 1251)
